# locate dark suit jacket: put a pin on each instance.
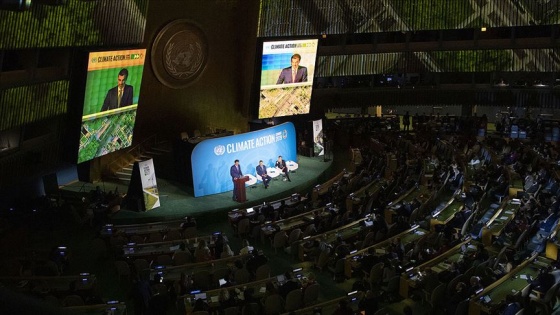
(111, 100)
(282, 166)
(234, 172)
(286, 75)
(261, 170)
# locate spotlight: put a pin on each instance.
(15, 5)
(483, 29)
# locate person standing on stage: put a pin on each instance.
(281, 164)
(235, 172)
(261, 171)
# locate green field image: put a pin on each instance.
(100, 81)
(285, 101)
(270, 77)
(151, 198)
(106, 134)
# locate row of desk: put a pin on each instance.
(235, 215)
(496, 224)
(174, 272)
(298, 221)
(448, 211)
(258, 287)
(152, 250)
(345, 232)
(141, 229)
(49, 284)
(323, 188)
(407, 239)
(514, 283)
(422, 193)
(370, 190)
(412, 278)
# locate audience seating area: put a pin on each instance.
(435, 222)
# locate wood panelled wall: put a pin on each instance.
(315, 17)
(507, 60)
(32, 103)
(78, 23)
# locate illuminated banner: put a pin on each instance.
(318, 146)
(287, 74)
(111, 98)
(211, 159)
(149, 184)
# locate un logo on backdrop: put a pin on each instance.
(219, 149)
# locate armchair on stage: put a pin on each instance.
(274, 172)
(239, 188)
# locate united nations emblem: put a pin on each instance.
(183, 55)
(179, 54)
(219, 149)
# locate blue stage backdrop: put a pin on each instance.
(211, 159)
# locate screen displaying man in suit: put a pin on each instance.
(294, 73)
(261, 171)
(281, 165)
(235, 172)
(120, 95)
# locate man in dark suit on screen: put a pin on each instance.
(261, 171)
(120, 95)
(294, 73)
(235, 172)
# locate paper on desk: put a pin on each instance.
(524, 277)
(504, 218)
(436, 269)
(214, 299)
(262, 290)
(174, 248)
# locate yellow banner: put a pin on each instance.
(116, 59)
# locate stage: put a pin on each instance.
(177, 200)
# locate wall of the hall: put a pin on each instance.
(219, 98)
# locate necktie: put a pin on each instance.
(294, 75)
(119, 98)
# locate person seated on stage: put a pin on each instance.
(281, 165)
(261, 171)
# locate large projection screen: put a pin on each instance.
(211, 159)
(287, 77)
(111, 99)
